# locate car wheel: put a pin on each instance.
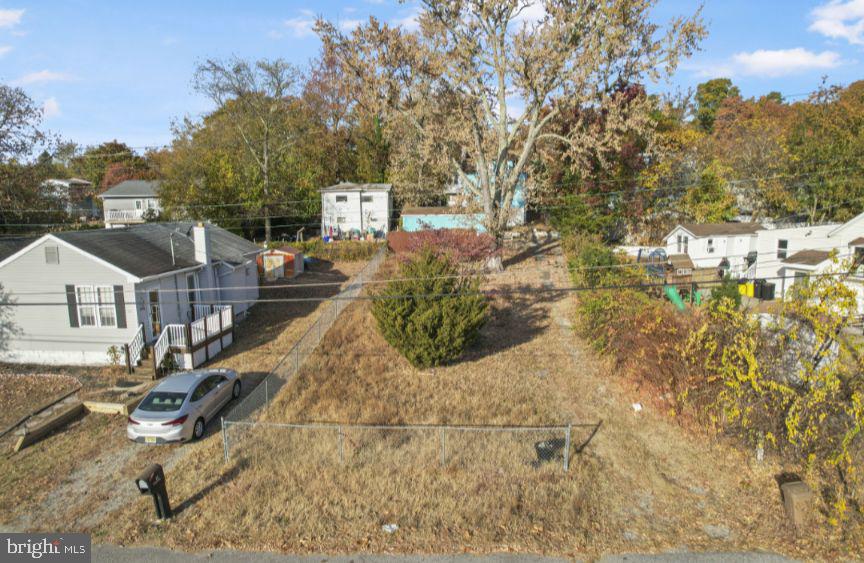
(235, 392)
(198, 429)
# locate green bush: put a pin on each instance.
(441, 317)
(727, 290)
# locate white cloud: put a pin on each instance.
(840, 19)
(9, 18)
(410, 21)
(41, 76)
(349, 25)
(766, 63)
(532, 11)
(301, 26)
(51, 108)
(781, 62)
(4, 49)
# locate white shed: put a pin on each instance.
(349, 208)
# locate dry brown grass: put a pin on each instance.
(69, 479)
(286, 490)
(21, 394)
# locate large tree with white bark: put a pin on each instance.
(484, 82)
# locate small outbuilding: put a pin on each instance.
(355, 211)
(282, 262)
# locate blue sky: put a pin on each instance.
(118, 69)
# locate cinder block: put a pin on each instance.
(797, 500)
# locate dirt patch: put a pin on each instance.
(77, 477)
(21, 394)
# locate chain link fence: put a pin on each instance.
(291, 362)
(246, 437)
(402, 445)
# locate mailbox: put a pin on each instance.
(152, 481)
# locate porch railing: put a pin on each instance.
(125, 215)
(135, 349)
(187, 338)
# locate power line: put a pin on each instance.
(478, 293)
(431, 278)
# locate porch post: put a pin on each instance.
(128, 359)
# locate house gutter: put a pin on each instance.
(171, 273)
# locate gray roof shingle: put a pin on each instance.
(9, 246)
(808, 257)
(133, 188)
(721, 229)
(146, 250)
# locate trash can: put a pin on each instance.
(768, 291)
(750, 289)
(759, 289)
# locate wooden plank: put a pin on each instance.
(46, 405)
(61, 418)
(105, 407)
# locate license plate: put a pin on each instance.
(149, 440)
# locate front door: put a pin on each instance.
(155, 315)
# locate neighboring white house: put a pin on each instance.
(129, 201)
(789, 254)
(75, 294)
(781, 256)
(709, 244)
(73, 195)
(353, 209)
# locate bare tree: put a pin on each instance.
(489, 78)
(20, 118)
(255, 97)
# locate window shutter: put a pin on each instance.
(120, 306)
(73, 306)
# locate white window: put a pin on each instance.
(138, 204)
(340, 220)
(366, 199)
(96, 305)
(782, 248)
(341, 199)
(151, 204)
(710, 246)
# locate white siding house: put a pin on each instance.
(708, 244)
(128, 202)
(73, 295)
(356, 209)
(73, 195)
(791, 254)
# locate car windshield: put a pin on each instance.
(162, 401)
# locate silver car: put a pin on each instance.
(181, 405)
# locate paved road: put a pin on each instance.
(110, 553)
(115, 554)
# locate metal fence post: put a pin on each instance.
(266, 393)
(443, 448)
(224, 440)
(297, 358)
(567, 448)
(341, 446)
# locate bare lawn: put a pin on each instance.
(639, 483)
(82, 475)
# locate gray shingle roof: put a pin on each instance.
(146, 250)
(134, 188)
(127, 251)
(352, 187)
(808, 257)
(9, 246)
(721, 229)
